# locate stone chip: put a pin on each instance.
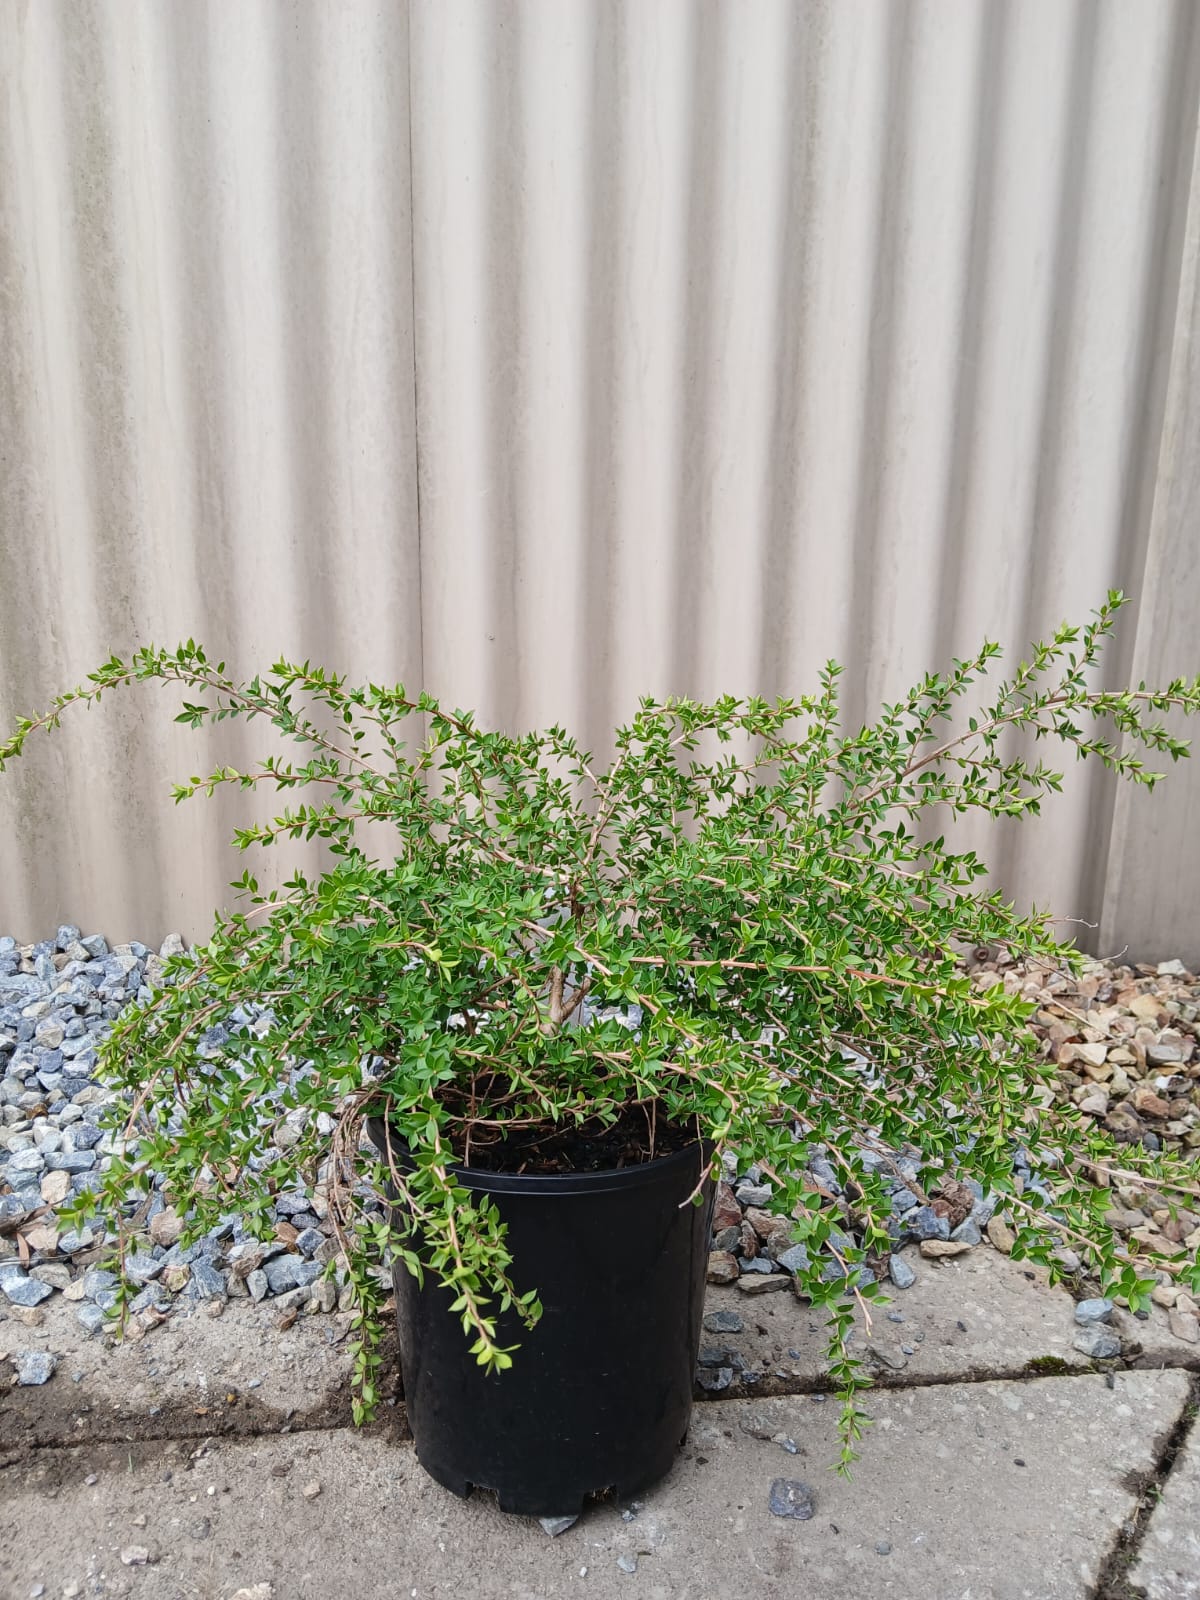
(789, 1497)
(34, 1367)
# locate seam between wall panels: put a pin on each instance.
(416, 384)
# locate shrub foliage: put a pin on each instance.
(763, 887)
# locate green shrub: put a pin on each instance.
(752, 878)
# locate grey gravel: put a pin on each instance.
(1098, 1341)
(206, 1283)
(53, 1120)
(714, 1379)
(723, 1322)
(34, 1367)
(14, 1206)
(967, 1232)
(25, 1161)
(901, 1274)
(791, 1498)
(793, 1259)
(56, 1274)
(1091, 1311)
(19, 1289)
(90, 1317)
(72, 1161)
(713, 1355)
(97, 1281)
(140, 1267)
(74, 1240)
(925, 1222)
(556, 1525)
(152, 1295)
(289, 1272)
(883, 1357)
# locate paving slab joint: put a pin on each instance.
(1033, 1371)
(1113, 1582)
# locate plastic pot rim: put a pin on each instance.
(642, 1174)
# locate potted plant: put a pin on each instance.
(569, 988)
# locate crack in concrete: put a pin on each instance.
(772, 1387)
(330, 1418)
(394, 1425)
(169, 1434)
(1113, 1582)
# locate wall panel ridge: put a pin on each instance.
(548, 355)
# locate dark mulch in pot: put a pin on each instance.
(640, 1133)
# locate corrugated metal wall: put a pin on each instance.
(551, 353)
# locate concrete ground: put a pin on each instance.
(213, 1459)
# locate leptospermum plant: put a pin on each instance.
(788, 937)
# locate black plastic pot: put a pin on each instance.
(600, 1392)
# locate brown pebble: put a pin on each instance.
(722, 1268)
(763, 1282)
(166, 1227)
(763, 1223)
(726, 1211)
(1000, 1234)
(1144, 1100)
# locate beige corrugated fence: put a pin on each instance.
(554, 352)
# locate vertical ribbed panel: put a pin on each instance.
(208, 417)
(551, 354)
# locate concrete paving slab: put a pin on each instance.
(1168, 1564)
(981, 1315)
(976, 1315)
(1011, 1491)
(193, 1375)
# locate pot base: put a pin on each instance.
(570, 1502)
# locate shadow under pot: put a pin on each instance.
(600, 1392)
